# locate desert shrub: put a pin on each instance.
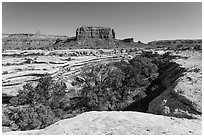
(35, 117)
(47, 92)
(5, 119)
(158, 60)
(139, 72)
(144, 67)
(58, 96)
(113, 86)
(103, 86)
(43, 104)
(32, 95)
(25, 96)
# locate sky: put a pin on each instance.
(141, 21)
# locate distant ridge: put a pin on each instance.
(89, 37)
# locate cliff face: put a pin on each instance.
(95, 32)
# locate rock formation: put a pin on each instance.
(183, 98)
(95, 32)
(87, 37)
(29, 41)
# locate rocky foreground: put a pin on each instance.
(119, 123)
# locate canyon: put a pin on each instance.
(174, 98)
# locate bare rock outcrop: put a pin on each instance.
(182, 98)
(86, 32)
(118, 123)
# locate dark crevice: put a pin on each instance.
(143, 104)
(156, 88)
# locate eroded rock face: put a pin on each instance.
(95, 32)
(182, 99)
(169, 105)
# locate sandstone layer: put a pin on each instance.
(20, 67)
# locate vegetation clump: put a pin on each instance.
(38, 107)
(114, 86)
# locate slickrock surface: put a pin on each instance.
(118, 123)
(20, 67)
